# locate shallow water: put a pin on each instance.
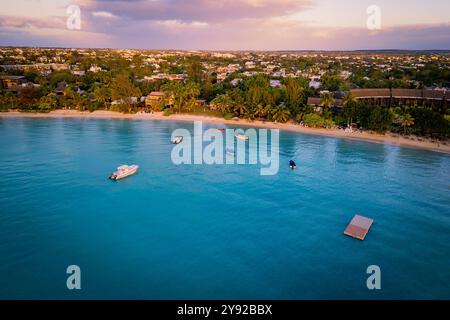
(222, 231)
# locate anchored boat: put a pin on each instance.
(177, 140)
(242, 137)
(124, 171)
(230, 152)
(292, 164)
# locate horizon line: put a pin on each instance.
(231, 50)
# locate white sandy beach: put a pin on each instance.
(365, 136)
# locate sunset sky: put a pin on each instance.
(228, 24)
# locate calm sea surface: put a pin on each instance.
(222, 231)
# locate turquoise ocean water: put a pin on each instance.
(215, 232)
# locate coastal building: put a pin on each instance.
(392, 97)
(43, 68)
(10, 82)
(78, 73)
(60, 89)
(162, 76)
(275, 83)
(94, 68)
(154, 100)
(250, 65)
(345, 74)
(315, 83)
(236, 82)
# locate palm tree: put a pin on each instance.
(185, 96)
(261, 111)
(102, 95)
(222, 103)
(326, 99)
(281, 114)
(349, 101)
(407, 121)
(240, 109)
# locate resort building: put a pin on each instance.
(392, 97)
(154, 100)
(11, 82)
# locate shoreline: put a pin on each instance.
(364, 136)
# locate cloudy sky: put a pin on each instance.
(227, 24)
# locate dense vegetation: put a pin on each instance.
(253, 98)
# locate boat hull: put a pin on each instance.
(122, 175)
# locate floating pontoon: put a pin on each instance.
(358, 227)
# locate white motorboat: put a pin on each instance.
(124, 171)
(242, 137)
(177, 140)
(230, 152)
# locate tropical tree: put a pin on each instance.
(314, 120)
(171, 91)
(195, 72)
(190, 93)
(122, 90)
(326, 99)
(240, 109)
(294, 94)
(102, 95)
(262, 111)
(9, 101)
(258, 90)
(331, 82)
(349, 102)
(181, 96)
(222, 103)
(281, 114)
(406, 122)
(48, 103)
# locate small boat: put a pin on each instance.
(221, 130)
(177, 140)
(292, 164)
(230, 152)
(242, 137)
(124, 171)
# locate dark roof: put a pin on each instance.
(61, 87)
(371, 93)
(434, 94)
(313, 101)
(11, 77)
(407, 93)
